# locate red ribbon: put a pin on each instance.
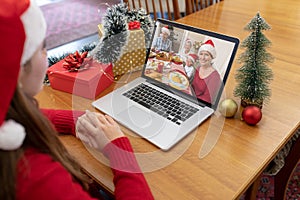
(73, 62)
(134, 25)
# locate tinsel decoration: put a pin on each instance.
(54, 59)
(254, 75)
(109, 48)
(88, 47)
(115, 35)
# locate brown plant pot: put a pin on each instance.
(246, 102)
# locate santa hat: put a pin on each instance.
(189, 41)
(165, 30)
(193, 57)
(210, 47)
(23, 29)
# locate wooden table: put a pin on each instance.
(240, 152)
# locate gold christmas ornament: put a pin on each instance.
(228, 107)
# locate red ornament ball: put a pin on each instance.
(252, 115)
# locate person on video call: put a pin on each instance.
(33, 161)
(163, 43)
(206, 80)
(186, 50)
(190, 65)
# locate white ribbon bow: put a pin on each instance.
(12, 135)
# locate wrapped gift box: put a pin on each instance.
(87, 83)
(133, 53)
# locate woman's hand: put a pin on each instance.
(97, 130)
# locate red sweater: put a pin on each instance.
(63, 120)
(207, 88)
(39, 177)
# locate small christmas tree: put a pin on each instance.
(254, 75)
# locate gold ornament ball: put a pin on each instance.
(228, 107)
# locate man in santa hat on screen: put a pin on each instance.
(163, 43)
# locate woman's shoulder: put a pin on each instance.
(215, 74)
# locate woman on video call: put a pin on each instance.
(207, 80)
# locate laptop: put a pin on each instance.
(165, 103)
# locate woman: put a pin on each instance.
(207, 80)
(33, 162)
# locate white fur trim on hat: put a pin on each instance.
(189, 41)
(208, 46)
(193, 57)
(165, 30)
(35, 30)
(12, 135)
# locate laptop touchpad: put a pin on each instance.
(144, 122)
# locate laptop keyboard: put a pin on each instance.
(161, 103)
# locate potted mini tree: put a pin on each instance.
(254, 75)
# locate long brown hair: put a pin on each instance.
(41, 136)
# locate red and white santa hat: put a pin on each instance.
(165, 29)
(23, 29)
(189, 41)
(210, 47)
(193, 57)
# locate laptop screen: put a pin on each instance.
(189, 61)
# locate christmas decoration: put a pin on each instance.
(73, 62)
(86, 83)
(108, 50)
(228, 107)
(55, 59)
(254, 75)
(115, 36)
(197, 45)
(146, 22)
(133, 54)
(134, 25)
(252, 115)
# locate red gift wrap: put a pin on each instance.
(87, 83)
